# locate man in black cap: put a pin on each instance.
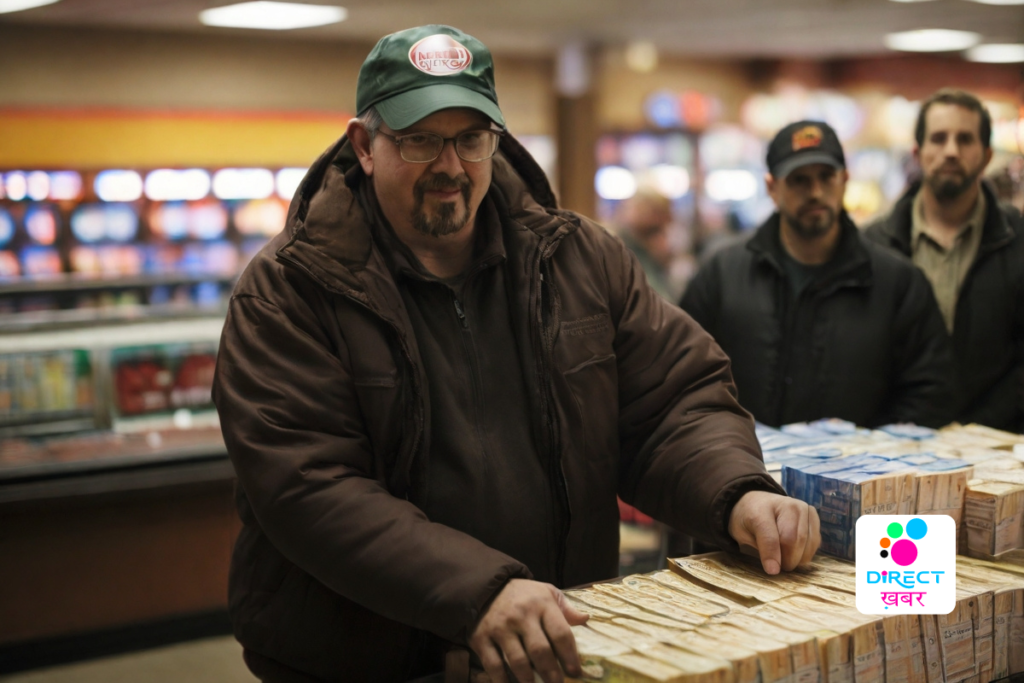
(434, 383)
(971, 248)
(818, 322)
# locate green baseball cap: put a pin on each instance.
(413, 73)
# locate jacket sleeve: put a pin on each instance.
(701, 298)
(922, 371)
(293, 429)
(1002, 406)
(688, 449)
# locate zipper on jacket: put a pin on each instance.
(554, 452)
(459, 312)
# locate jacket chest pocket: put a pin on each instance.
(375, 364)
(585, 358)
(582, 340)
(593, 417)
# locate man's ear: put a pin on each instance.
(361, 143)
(769, 182)
(988, 157)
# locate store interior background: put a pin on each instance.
(120, 241)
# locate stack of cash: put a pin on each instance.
(993, 512)
(718, 618)
(845, 471)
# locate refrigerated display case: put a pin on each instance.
(89, 400)
(115, 485)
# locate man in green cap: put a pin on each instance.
(433, 384)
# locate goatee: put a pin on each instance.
(448, 217)
(811, 226)
(948, 187)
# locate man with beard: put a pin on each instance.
(971, 248)
(434, 383)
(817, 322)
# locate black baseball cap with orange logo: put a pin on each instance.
(803, 143)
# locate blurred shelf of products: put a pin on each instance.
(157, 240)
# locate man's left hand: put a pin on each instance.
(785, 531)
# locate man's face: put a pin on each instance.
(436, 198)
(810, 198)
(952, 157)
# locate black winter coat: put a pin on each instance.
(988, 329)
(864, 341)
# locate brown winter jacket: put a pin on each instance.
(322, 402)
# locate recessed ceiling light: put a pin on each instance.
(273, 16)
(19, 5)
(999, 2)
(931, 40)
(642, 56)
(1006, 53)
(911, 0)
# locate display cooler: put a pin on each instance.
(116, 510)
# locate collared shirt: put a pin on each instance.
(946, 268)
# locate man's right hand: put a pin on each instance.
(528, 626)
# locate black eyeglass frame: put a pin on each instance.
(397, 139)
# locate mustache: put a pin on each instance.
(811, 206)
(442, 182)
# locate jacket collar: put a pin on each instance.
(330, 232)
(850, 265)
(996, 230)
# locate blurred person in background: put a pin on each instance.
(432, 385)
(1007, 181)
(817, 322)
(645, 225)
(971, 248)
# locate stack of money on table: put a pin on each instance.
(719, 618)
(972, 473)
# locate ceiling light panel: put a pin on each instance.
(7, 6)
(931, 40)
(272, 16)
(1005, 53)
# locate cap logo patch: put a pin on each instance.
(808, 136)
(440, 55)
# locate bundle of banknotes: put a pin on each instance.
(972, 473)
(718, 618)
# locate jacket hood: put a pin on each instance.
(328, 231)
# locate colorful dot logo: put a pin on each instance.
(903, 550)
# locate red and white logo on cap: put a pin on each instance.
(440, 55)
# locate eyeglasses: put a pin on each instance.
(422, 148)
